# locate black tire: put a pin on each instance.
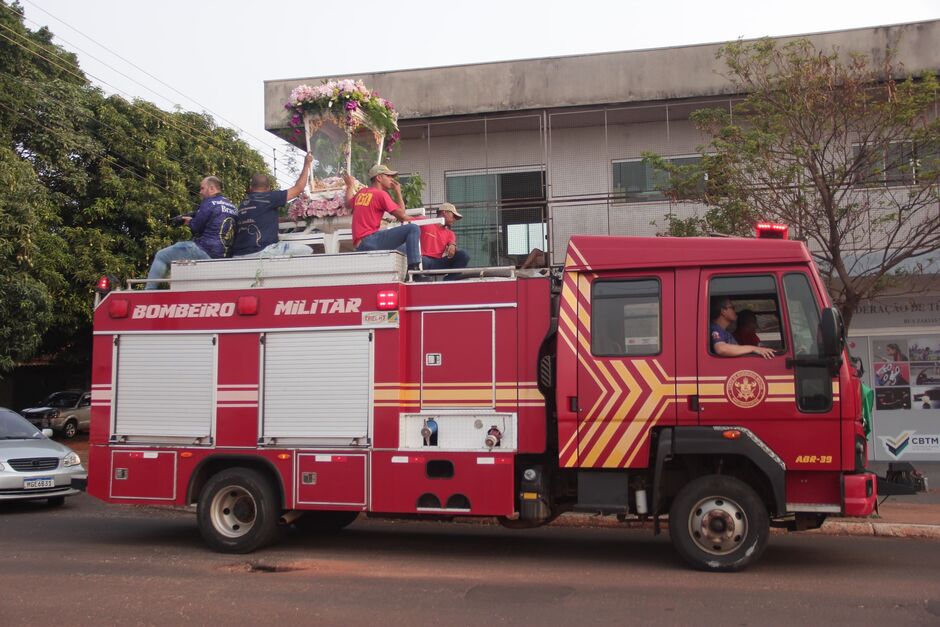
(719, 523)
(325, 521)
(70, 429)
(55, 501)
(238, 511)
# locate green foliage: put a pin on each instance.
(411, 190)
(88, 185)
(841, 147)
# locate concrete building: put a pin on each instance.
(536, 150)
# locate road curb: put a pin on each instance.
(832, 527)
(879, 529)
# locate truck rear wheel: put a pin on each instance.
(238, 511)
(325, 521)
(718, 523)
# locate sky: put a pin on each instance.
(214, 55)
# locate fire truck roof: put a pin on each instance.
(587, 252)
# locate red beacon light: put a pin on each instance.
(104, 285)
(387, 300)
(772, 230)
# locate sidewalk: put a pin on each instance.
(916, 516)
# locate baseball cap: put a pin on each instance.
(375, 170)
(449, 207)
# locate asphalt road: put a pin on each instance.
(88, 563)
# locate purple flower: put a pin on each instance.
(295, 120)
(352, 105)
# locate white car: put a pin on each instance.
(32, 466)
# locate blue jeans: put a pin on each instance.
(406, 236)
(459, 260)
(279, 249)
(165, 256)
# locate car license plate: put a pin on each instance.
(38, 482)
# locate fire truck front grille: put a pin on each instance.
(33, 464)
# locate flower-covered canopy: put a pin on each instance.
(347, 128)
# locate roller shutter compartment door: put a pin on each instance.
(316, 384)
(165, 385)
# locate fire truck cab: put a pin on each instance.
(310, 390)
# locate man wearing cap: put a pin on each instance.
(439, 244)
(369, 204)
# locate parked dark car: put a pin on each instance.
(67, 413)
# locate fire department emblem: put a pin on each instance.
(746, 388)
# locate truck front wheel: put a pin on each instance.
(238, 511)
(718, 523)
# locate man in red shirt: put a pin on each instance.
(439, 244)
(369, 204)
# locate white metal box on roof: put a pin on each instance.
(304, 271)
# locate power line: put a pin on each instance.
(24, 82)
(137, 67)
(67, 70)
(65, 139)
(131, 63)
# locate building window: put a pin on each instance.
(504, 213)
(897, 163)
(634, 180)
(625, 318)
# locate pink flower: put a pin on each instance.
(352, 105)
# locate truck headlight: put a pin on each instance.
(71, 459)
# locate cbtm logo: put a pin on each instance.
(910, 442)
(746, 389)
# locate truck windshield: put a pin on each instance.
(61, 399)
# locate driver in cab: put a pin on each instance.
(722, 341)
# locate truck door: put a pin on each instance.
(798, 420)
(626, 365)
(458, 367)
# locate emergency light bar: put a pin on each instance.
(387, 300)
(772, 230)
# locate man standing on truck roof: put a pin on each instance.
(213, 226)
(439, 244)
(256, 227)
(722, 342)
(369, 204)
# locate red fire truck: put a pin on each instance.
(310, 390)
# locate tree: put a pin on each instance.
(839, 146)
(87, 184)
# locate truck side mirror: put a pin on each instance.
(832, 332)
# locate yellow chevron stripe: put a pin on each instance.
(611, 426)
(636, 450)
(658, 391)
(571, 440)
(578, 254)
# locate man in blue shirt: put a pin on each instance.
(257, 224)
(213, 227)
(720, 339)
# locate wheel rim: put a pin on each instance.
(718, 525)
(233, 511)
(70, 430)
